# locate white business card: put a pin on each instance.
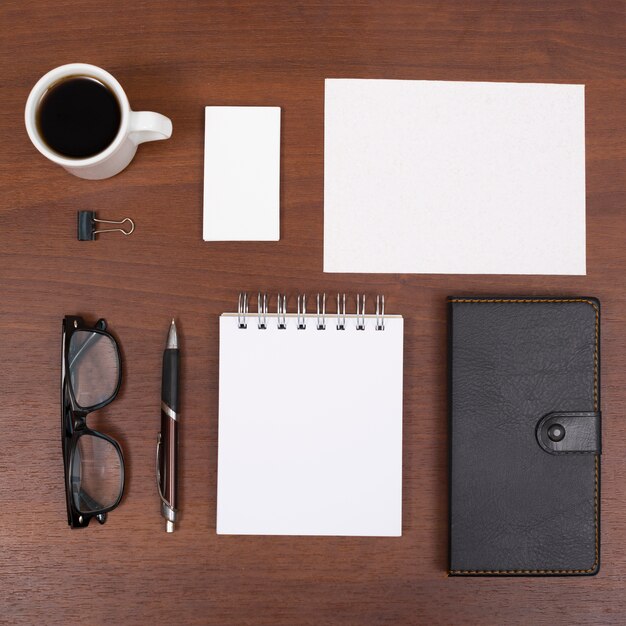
(242, 173)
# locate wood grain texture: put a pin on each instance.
(175, 58)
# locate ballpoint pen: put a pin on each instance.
(167, 443)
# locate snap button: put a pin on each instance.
(556, 432)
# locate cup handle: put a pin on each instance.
(149, 126)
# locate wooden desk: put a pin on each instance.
(175, 58)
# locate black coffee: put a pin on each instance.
(79, 117)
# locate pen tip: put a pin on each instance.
(172, 336)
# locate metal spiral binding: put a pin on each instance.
(341, 313)
(262, 310)
(242, 310)
(380, 321)
(281, 312)
(301, 325)
(321, 325)
(360, 312)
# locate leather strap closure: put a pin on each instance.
(570, 432)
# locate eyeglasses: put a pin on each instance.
(90, 379)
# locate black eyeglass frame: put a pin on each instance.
(74, 421)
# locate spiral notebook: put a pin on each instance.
(310, 420)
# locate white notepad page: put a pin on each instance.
(242, 173)
(310, 428)
(454, 177)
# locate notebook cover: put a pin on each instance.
(524, 401)
(310, 426)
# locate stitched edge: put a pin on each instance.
(595, 408)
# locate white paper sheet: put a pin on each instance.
(242, 174)
(454, 177)
(310, 429)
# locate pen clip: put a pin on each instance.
(158, 474)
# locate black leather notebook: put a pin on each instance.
(524, 436)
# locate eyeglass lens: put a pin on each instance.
(96, 474)
(93, 367)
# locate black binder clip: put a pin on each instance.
(87, 225)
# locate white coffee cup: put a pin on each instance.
(135, 126)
